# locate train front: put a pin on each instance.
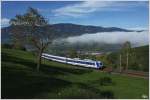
(99, 64)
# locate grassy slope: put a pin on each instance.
(56, 80)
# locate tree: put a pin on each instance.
(72, 53)
(30, 29)
(111, 60)
(120, 63)
(126, 50)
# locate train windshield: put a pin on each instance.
(99, 64)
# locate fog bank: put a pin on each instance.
(136, 38)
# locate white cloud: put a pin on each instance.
(86, 7)
(4, 22)
(79, 9)
(136, 38)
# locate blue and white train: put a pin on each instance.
(74, 61)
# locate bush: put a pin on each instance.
(19, 47)
(22, 48)
(8, 46)
(107, 94)
(105, 81)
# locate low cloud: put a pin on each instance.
(4, 22)
(136, 38)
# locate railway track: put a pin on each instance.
(132, 73)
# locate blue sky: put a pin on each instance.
(124, 14)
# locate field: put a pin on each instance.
(19, 79)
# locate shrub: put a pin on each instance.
(107, 94)
(23, 48)
(105, 81)
(9, 46)
(19, 47)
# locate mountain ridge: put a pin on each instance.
(63, 30)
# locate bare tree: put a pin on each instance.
(30, 29)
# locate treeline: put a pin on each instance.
(138, 59)
(62, 47)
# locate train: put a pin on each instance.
(74, 61)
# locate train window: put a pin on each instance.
(80, 62)
(83, 62)
(90, 63)
(70, 61)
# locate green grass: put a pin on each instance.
(19, 79)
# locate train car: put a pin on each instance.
(74, 61)
(54, 58)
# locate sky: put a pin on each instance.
(123, 14)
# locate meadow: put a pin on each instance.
(19, 79)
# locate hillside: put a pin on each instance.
(66, 30)
(142, 57)
(138, 59)
(19, 79)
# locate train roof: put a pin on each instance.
(54, 56)
(87, 60)
(77, 58)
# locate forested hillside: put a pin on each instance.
(138, 59)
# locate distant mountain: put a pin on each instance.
(74, 29)
(68, 29)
